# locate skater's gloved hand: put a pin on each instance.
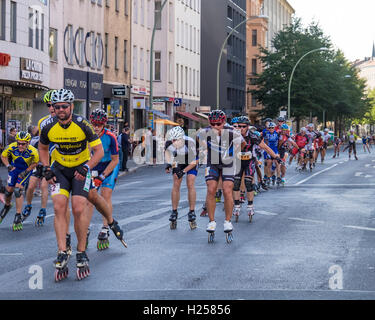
(99, 180)
(180, 174)
(82, 172)
(49, 175)
(10, 167)
(168, 168)
(23, 174)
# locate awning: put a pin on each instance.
(160, 114)
(201, 115)
(189, 116)
(166, 122)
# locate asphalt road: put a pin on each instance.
(312, 239)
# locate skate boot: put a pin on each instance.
(103, 241)
(236, 212)
(250, 212)
(228, 228)
(278, 181)
(334, 156)
(83, 270)
(204, 211)
(264, 186)
(311, 168)
(118, 232)
(26, 212)
(211, 228)
(87, 237)
(283, 182)
(218, 196)
(17, 223)
(61, 265)
(68, 245)
(40, 218)
(4, 212)
(173, 219)
(355, 157)
(191, 218)
(273, 180)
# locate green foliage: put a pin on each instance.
(323, 80)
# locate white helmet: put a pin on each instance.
(62, 95)
(176, 133)
(303, 129)
(326, 130)
(310, 125)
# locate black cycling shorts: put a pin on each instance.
(247, 168)
(38, 172)
(214, 172)
(66, 183)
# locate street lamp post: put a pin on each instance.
(221, 53)
(152, 56)
(294, 69)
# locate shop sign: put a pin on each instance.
(140, 90)
(159, 106)
(8, 90)
(4, 59)
(139, 103)
(31, 70)
(119, 91)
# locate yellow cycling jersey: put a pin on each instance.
(18, 159)
(40, 122)
(71, 141)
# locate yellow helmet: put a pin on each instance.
(47, 96)
(23, 136)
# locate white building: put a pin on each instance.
(187, 54)
(144, 13)
(279, 13)
(24, 63)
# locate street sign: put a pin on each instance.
(177, 102)
(119, 91)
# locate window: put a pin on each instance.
(135, 11)
(117, 6)
(42, 33)
(2, 19)
(106, 50)
(142, 12)
(52, 47)
(198, 83)
(149, 15)
(199, 43)
(178, 32)
(182, 80)
(194, 83)
(229, 66)
(116, 53)
(186, 80)
(157, 64)
(13, 21)
(141, 64)
(99, 52)
(170, 67)
(68, 38)
(191, 38)
(148, 65)
(229, 13)
(93, 61)
(186, 36)
(126, 6)
(158, 14)
(253, 101)
(125, 55)
(107, 3)
(170, 16)
(135, 60)
(100, 3)
(254, 38)
(81, 47)
(254, 66)
(177, 78)
(182, 35)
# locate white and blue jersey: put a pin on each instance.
(110, 146)
(271, 140)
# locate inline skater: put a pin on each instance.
(352, 139)
(312, 135)
(105, 173)
(336, 147)
(281, 122)
(301, 140)
(21, 159)
(271, 139)
(285, 143)
(318, 146)
(37, 175)
(326, 137)
(248, 163)
(365, 142)
(182, 157)
(71, 173)
(221, 142)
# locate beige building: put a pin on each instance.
(116, 64)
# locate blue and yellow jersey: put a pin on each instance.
(21, 160)
(71, 141)
(110, 147)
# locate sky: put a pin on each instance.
(350, 24)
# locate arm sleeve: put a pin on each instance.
(5, 153)
(114, 145)
(35, 155)
(44, 136)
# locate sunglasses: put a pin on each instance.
(242, 126)
(22, 143)
(49, 105)
(216, 124)
(63, 106)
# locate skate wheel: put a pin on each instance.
(211, 237)
(250, 218)
(173, 225)
(229, 237)
(236, 218)
(193, 225)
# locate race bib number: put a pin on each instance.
(244, 155)
(174, 164)
(94, 173)
(54, 189)
(87, 182)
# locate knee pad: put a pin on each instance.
(18, 192)
(7, 193)
(237, 184)
(249, 184)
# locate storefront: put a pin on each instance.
(139, 102)
(85, 86)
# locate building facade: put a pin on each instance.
(24, 67)
(187, 56)
(255, 38)
(76, 51)
(117, 60)
(218, 19)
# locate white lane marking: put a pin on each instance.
(341, 162)
(306, 220)
(360, 228)
(315, 174)
(33, 222)
(127, 184)
(266, 213)
(11, 254)
(367, 165)
(358, 174)
(335, 185)
(368, 176)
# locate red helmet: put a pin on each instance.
(98, 116)
(217, 116)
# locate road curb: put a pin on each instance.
(131, 170)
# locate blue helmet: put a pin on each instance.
(234, 120)
(285, 127)
(257, 133)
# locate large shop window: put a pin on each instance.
(20, 109)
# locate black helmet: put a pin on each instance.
(243, 119)
(268, 120)
(281, 119)
(217, 116)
